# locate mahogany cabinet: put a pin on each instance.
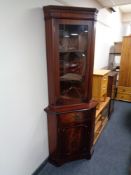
(70, 37)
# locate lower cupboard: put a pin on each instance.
(71, 132)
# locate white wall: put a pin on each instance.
(126, 24)
(126, 17)
(126, 29)
(82, 3)
(108, 31)
(103, 39)
(23, 86)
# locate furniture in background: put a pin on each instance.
(124, 82)
(99, 93)
(112, 84)
(101, 119)
(114, 56)
(100, 82)
(70, 34)
(112, 88)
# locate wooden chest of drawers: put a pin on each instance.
(100, 81)
(124, 93)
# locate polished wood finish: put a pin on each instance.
(71, 112)
(71, 132)
(103, 104)
(100, 81)
(102, 116)
(54, 16)
(68, 12)
(112, 88)
(124, 83)
(100, 85)
(123, 89)
(112, 84)
(124, 97)
(125, 65)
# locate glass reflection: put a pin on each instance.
(72, 55)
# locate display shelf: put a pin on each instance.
(102, 105)
(100, 129)
(101, 118)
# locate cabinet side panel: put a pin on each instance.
(49, 53)
(52, 133)
(125, 70)
(53, 86)
(91, 56)
(91, 129)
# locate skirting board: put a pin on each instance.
(38, 170)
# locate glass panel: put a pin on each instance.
(72, 55)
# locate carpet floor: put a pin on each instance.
(112, 155)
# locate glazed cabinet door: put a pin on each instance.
(74, 62)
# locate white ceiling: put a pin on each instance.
(125, 8)
(111, 3)
(125, 5)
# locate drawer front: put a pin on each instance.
(124, 97)
(122, 89)
(103, 91)
(104, 80)
(73, 117)
(99, 86)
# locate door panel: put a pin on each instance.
(74, 140)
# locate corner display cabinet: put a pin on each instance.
(70, 34)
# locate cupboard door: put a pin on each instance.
(74, 140)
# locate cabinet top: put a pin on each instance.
(70, 12)
(127, 36)
(101, 72)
